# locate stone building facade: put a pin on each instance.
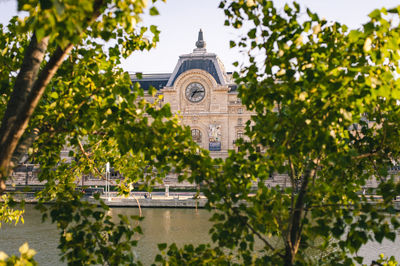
(204, 95)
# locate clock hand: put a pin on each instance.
(193, 93)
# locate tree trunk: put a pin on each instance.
(294, 233)
(28, 90)
(289, 256)
(33, 57)
(20, 110)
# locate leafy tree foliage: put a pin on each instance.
(61, 87)
(26, 257)
(326, 114)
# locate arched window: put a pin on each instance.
(196, 135)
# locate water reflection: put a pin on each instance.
(167, 221)
(41, 237)
(182, 226)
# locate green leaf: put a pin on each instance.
(154, 29)
(153, 11)
(54, 95)
(162, 246)
(376, 14)
(40, 33)
(252, 33)
(159, 258)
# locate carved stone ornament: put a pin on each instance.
(214, 133)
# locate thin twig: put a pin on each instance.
(365, 155)
(138, 204)
(257, 233)
(293, 175)
(87, 157)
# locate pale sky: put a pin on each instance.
(180, 21)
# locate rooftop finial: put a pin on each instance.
(200, 44)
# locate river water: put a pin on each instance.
(159, 226)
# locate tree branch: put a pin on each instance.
(26, 77)
(88, 158)
(292, 174)
(366, 155)
(28, 90)
(23, 146)
(294, 235)
(256, 233)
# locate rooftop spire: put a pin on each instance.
(200, 44)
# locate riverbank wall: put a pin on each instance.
(155, 202)
(182, 200)
(134, 201)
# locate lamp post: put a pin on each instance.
(107, 181)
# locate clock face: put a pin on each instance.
(195, 92)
